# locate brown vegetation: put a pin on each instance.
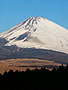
(23, 64)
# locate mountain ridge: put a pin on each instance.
(38, 33)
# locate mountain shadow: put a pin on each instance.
(3, 41)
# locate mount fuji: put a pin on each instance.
(36, 37)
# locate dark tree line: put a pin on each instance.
(37, 79)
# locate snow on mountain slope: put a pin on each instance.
(37, 32)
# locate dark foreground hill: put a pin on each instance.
(42, 79)
(14, 52)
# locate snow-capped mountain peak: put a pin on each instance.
(38, 32)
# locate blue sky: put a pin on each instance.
(13, 12)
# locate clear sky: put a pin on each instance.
(13, 12)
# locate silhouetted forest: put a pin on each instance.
(37, 79)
